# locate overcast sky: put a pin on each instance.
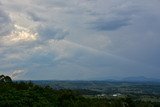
(79, 39)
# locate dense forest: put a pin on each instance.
(27, 94)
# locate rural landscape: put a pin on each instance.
(78, 93)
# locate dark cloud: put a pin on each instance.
(110, 25)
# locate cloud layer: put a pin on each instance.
(79, 39)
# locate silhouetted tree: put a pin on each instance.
(5, 79)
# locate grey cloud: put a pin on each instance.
(140, 41)
(42, 59)
(110, 25)
(51, 3)
(66, 59)
(113, 17)
(35, 17)
(89, 64)
(50, 32)
(5, 24)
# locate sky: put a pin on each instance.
(79, 39)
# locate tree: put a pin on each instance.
(5, 79)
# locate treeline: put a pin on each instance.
(27, 94)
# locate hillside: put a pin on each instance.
(27, 94)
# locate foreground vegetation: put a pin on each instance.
(27, 94)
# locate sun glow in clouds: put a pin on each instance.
(23, 34)
(20, 35)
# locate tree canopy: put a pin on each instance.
(5, 79)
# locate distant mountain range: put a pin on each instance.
(127, 79)
(140, 79)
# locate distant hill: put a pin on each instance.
(28, 94)
(140, 79)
